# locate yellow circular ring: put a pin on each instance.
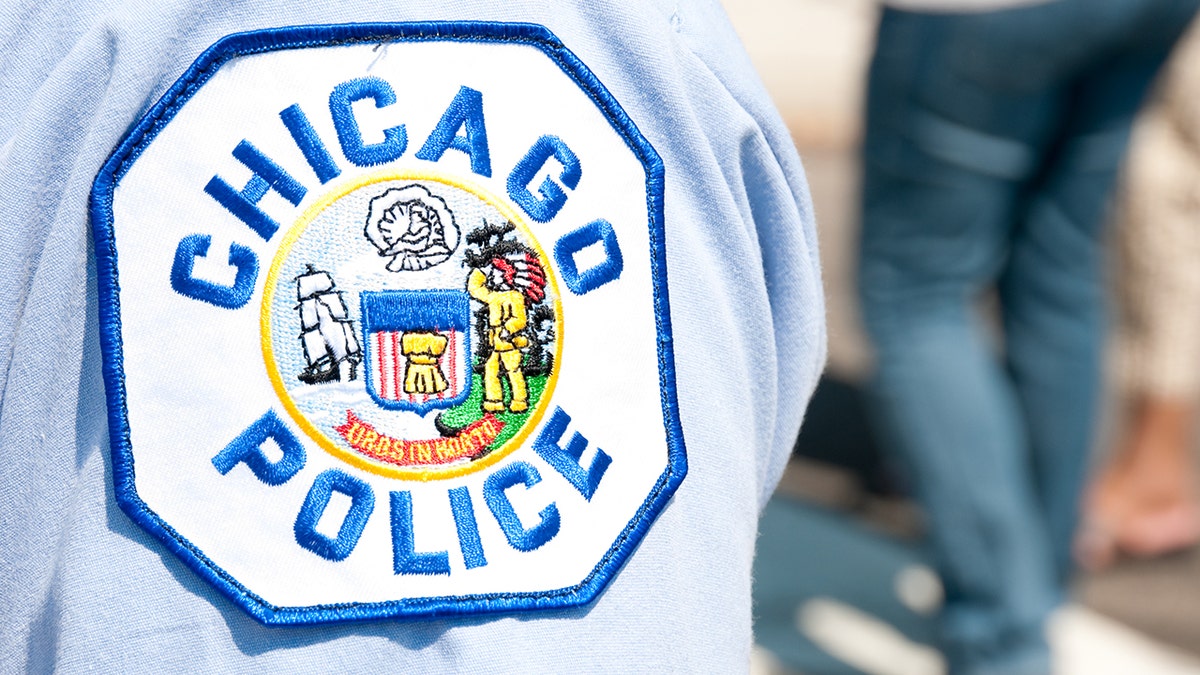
(360, 461)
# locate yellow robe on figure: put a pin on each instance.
(506, 317)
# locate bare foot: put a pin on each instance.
(1145, 502)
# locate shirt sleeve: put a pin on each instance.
(87, 588)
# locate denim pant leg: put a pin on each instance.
(1051, 290)
(947, 407)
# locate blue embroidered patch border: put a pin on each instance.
(101, 213)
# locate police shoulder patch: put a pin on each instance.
(385, 323)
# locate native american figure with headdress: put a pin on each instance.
(508, 279)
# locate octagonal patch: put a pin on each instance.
(385, 323)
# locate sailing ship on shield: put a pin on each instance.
(327, 333)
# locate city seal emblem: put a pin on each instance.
(375, 355)
(450, 356)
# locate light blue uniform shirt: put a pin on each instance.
(84, 588)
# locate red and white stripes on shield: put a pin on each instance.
(391, 365)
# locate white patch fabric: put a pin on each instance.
(385, 323)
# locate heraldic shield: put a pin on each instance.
(418, 348)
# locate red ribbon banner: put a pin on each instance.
(469, 442)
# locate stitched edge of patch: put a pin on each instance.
(297, 37)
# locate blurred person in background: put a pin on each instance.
(1144, 502)
(994, 134)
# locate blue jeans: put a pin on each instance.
(992, 143)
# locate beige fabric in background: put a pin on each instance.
(1158, 239)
